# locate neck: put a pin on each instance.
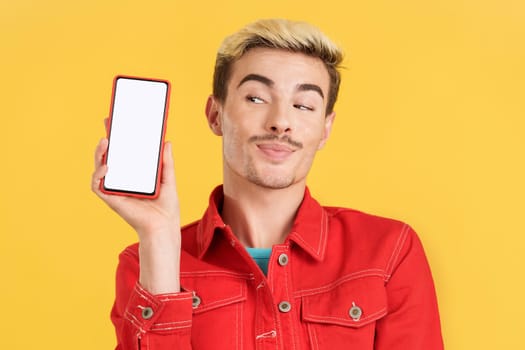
(258, 216)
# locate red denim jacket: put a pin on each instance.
(341, 280)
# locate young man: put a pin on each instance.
(332, 278)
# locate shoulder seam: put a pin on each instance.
(401, 239)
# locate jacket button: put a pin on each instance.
(147, 313)
(283, 259)
(355, 312)
(195, 301)
(285, 306)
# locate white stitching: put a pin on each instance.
(174, 322)
(258, 311)
(220, 303)
(396, 246)
(176, 325)
(237, 327)
(175, 298)
(240, 325)
(169, 328)
(277, 324)
(270, 334)
(322, 236)
(344, 319)
(134, 321)
(395, 253)
(313, 336)
(324, 231)
(349, 277)
(207, 273)
(143, 294)
(292, 328)
(298, 237)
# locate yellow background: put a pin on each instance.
(429, 130)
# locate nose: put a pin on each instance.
(278, 120)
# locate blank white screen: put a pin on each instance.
(135, 135)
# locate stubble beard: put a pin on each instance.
(270, 181)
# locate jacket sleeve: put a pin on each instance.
(144, 321)
(412, 322)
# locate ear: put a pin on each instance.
(328, 122)
(213, 115)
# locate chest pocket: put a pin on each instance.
(344, 313)
(218, 304)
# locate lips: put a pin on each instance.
(275, 151)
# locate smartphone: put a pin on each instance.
(136, 128)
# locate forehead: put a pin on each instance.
(285, 68)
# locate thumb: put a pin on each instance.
(168, 173)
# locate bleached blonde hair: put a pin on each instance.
(281, 34)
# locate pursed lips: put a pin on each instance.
(275, 150)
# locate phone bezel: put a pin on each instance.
(130, 193)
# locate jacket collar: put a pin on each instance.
(309, 231)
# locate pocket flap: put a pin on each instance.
(214, 289)
(350, 303)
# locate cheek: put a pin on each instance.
(232, 140)
(313, 135)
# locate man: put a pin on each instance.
(331, 278)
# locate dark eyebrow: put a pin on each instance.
(260, 78)
(269, 82)
(310, 87)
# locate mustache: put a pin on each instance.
(284, 139)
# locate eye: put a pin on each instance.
(303, 107)
(255, 99)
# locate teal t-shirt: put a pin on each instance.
(261, 257)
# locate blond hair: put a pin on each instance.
(281, 34)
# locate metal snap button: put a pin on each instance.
(147, 313)
(355, 312)
(285, 306)
(195, 301)
(283, 259)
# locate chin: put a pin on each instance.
(271, 182)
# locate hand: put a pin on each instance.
(144, 215)
(156, 221)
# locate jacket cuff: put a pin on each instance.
(161, 313)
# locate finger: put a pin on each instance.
(100, 151)
(97, 176)
(168, 174)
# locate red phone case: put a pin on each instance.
(108, 135)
